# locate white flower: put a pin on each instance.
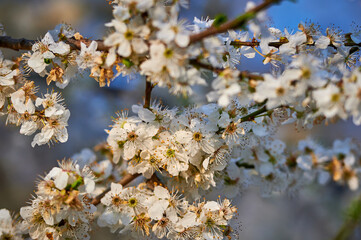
(132, 137)
(52, 104)
(21, 102)
(54, 129)
(294, 42)
(198, 138)
(164, 63)
(89, 56)
(45, 51)
(127, 38)
(173, 30)
(277, 91)
(330, 101)
(172, 155)
(226, 86)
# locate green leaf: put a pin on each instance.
(219, 20)
(127, 62)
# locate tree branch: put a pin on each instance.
(26, 44)
(233, 24)
(243, 74)
(278, 44)
(124, 181)
(252, 115)
(354, 218)
(16, 44)
(148, 92)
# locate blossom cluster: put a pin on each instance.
(23, 107)
(203, 149)
(190, 145)
(63, 209)
(314, 74)
(198, 151)
(62, 206)
(139, 211)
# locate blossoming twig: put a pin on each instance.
(238, 22)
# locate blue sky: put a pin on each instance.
(341, 13)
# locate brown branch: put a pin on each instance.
(25, 44)
(243, 74)
(252, 115)
(148, 92)
(238, 22)
(237, 43)
(124, 181)
(16, 44)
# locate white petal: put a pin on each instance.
(161, 192)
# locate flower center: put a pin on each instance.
(231, 128)
(132, 136)
(132, 202)
(170, 153)
(168, 53)
(280, 91)
(197, 136)
(128, 35)
(116, 200)
(335, 97)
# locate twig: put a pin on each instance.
(243, 74)
(353, 220)
(16, 44)
(26, 44)
(252, 115)
(148, 92)
(237, 43)
(233, 24)
(124, 181)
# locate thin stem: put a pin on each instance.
(254, 43)
(238, 22)
(243, 74)
(252, 115)
(124, 181)
(148, 92)
(353, 220)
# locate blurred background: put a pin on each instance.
(316, 213)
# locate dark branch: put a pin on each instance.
(244, 74)
(238, 22)
(16, 44)
(148, 92)
(278, 44)
(25, 44)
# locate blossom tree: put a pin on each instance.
(182, 155)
